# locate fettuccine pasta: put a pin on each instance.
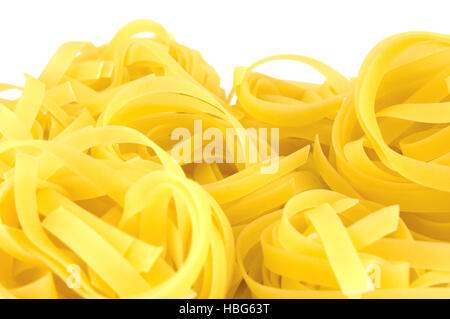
(96, 203)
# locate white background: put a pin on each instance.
(227, 33)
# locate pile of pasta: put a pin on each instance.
(94, 205)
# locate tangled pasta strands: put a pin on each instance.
(89, 182)
(396, 154)
(388, 147)
(300, 110)
(80, 188)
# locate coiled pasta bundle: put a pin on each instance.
(389, 138)
(301, 110)
(81, 191)
(377, 144)
(323, 244)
